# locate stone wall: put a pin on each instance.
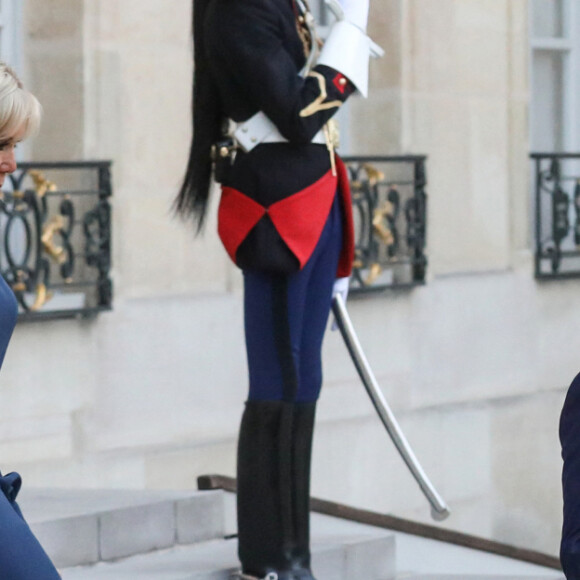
(475, 364)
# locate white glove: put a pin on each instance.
(340, 288)
(356, 12)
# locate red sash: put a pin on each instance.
(299, 218)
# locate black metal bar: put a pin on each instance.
(26, 165)
(384, 158)
(56, 242)
(538, 166)
(390, 208)
(557, 216)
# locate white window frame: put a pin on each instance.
(568, 46)
(10, 20)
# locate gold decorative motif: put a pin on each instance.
(41, 298)
(382, 230)
(374, 175)
(319, 103)
(374, 272)
(41, 184)
(55, 225)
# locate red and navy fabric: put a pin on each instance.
(570, 441)
(255, 56)
(285, 320)
(298, 219)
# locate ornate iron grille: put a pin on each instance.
(55, 238)
(390, 212)
(557, 209)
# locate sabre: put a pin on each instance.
(439, 509)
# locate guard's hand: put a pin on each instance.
(357, 12)
(340, 288)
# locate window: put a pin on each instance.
(9, 27)
(554, 133)
(555, 65)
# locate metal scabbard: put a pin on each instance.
(439, 509)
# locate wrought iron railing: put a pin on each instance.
(55, 238)
(557, 211)
(390, 212)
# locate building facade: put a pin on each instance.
(475, 363)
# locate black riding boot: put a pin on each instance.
(265, 535)
(302, 431)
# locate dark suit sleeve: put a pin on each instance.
(248, 41)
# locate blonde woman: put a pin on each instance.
(21, 556)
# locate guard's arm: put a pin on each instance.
(248, 44)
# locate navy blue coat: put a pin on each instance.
(570, 440)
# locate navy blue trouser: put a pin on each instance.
(285, 319)
(570, 440)
(21, 556)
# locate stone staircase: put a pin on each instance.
(155, 535)
(128, 535)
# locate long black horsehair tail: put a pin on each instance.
(192, 199)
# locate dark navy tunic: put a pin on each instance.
(255, 57)
(8, 313)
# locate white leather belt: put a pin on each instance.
(259, 129)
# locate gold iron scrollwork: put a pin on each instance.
(55, 225)
(384, 233)
(380, 222)
(42, 296)
(374, 175)
(41, 293)
(41, 184)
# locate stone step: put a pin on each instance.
(471, 577)
(426, 559)
(340, 551)
(80, 527)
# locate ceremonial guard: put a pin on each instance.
(570, 440)
(264, 94)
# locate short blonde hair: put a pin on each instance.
(19, 109)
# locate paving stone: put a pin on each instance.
(85, 526)
(70, 541)
(136, 530)
(370, 558)
(334, 544)
(472, 577)
(200, 518)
